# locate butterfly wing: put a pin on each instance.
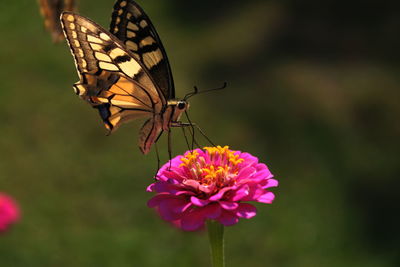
(131, 25)
(51, 11)
(149, 133)
(111, 80)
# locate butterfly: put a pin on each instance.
(124, 73)
(51, 11)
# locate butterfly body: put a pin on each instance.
(125, 73)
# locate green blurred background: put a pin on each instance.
(313, 91)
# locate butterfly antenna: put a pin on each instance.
(196, 91)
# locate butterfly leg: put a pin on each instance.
(192, 125)
(186, 139)
(158, 161)
(203, 134)
(182, 126)
(169, 148)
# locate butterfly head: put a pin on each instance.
(182, 105)
(177, 107)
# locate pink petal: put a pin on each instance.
(220, 194)
(161, 186)
(261, 175)
(207, 189)
(241, 193)
(249, 159)
(271, 183)
(172, 176)
(199, 202)
(246, 210)
(173, 189)
(189, 193)
(182, 208)
(255, 191)
(192, 183)
(155, 201)
(194, 220)
(261, 166)
(228, 218)
(213, 211)
(171, 209)
(266, 198)
(150, 188)
(246, 173)
(228, 205)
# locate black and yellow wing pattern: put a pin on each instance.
(111, 79)
(51, 11)
(124, 73)
(131, 25)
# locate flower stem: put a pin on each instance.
(216, 238)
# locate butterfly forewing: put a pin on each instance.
(131, 25)
(51, 11)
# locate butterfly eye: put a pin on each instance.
(181, 105)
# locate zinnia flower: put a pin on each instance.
(210, 184)
(9, 212)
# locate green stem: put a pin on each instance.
(216, 237)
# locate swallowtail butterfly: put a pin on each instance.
(124, 73)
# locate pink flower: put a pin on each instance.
(210, 184)
(9, 212)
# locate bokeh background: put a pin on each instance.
(313, 91)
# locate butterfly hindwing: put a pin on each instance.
(51, 11)
(131, 25)
(120, 101)
(149, 133)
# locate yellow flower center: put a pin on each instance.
(218, 167)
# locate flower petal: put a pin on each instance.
(150, 188)
(220, 194)
(194, 220)
(228, 205)
(227, 218)
(246, 173)
(271, 183)
(199, 202)
(191, 183)
(170, 210)
(246, 211)
(266, 198)
(155, 201)
(241, 193)
(213, 211)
